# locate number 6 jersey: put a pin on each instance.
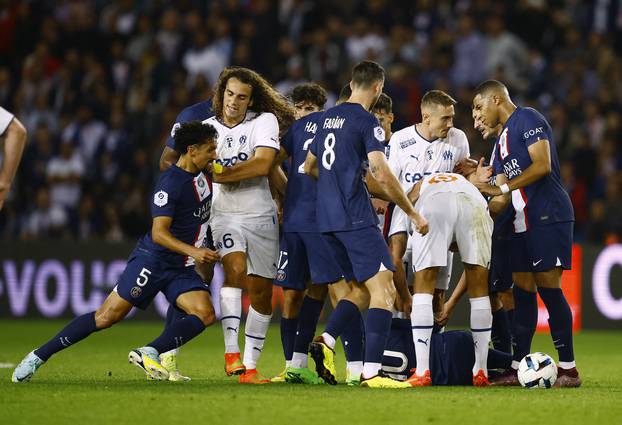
(345, 135)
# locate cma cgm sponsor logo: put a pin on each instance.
(606, 302)
(415, 177)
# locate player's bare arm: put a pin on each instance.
(311, 165)
(499, 203)
(540, 154)
(277, 178)
(381, 172)
(14, 143)
(161, 234)
(257, 166)
(169, 157)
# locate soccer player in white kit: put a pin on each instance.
(13, 137)
(415, 152)
(457, 213)
(249, 113)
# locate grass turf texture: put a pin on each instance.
(92, 383)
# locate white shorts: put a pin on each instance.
(453, 217)
(400, 223)
(257, 237)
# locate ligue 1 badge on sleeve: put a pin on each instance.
(160, 198)
(379, 133)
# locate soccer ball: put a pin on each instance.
(537, 370)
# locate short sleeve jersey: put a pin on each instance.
(300, 196)
(5, 120)
(412, 157)
(346, 134)
(186, 198)
(251, 197)
(544, 201)
(197, 112)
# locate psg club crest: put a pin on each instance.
(281, 275)
(136, 292)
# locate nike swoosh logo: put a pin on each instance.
(535, 263)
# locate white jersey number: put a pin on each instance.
(305, 147)
(328, 157)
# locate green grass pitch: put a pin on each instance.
(92, 383)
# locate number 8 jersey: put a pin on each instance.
(346, 134)
(251, 197)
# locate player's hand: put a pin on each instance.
(205, 255)
(4, 192)
(443, 317)
(465, 166)
(488, 190)
(404, 305)
(379, 205)
(421, 224)
(483, 173)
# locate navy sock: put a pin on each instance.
(499, 359)
(377, 328)
(560, 321)
(78, 329)
(173, 314)
(510, 317)
(352, 339)
(525, 321)
(501, 331)
(307, 322)
(288, 336)
(344, 313)
(178, 333)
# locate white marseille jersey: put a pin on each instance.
(251, 197)
(412, 157)
(448, 182)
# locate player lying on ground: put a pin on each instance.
(452, 355)
(456, 212)
(527, 171)
(163, 261)
(305, 261)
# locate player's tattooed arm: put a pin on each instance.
(540, 154)
(310, 166)
(258, 165)
(374, 188)
(382, 173)
(161, 234)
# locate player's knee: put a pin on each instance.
(205, 315)
(104, 320)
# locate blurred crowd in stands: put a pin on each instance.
(98, 85)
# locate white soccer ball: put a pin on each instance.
(537, 370)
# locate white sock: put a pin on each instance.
(371, 369)
(300, 360)
(354, 368)
(567, 365)
(329, 340)
(288, 363)
(255, 335)
(231, 311)
(515, 364)
(481, 328)
(172, 352)
(422, 319)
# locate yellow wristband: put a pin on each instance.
(218, 168)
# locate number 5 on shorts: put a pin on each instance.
(143, 277)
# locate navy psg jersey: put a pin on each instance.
(346, 134)
(300, 197)
(504, 226)
(544, 201)
(186, 198)
(197, 112)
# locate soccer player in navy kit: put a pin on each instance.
(347, 137)
(162, 261)
(543, 223)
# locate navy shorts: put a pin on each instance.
(305, 256)
(360, 253)
(500, 276)
(144, 276)
(543, 248)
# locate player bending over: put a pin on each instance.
(348, 136)
(456, 212)
(161, 262)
